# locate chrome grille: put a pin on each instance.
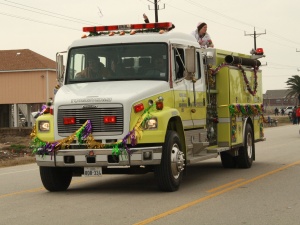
(95, 115)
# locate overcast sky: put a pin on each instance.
(47, 27)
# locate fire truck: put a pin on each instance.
(157, 103)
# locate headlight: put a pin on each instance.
(150, 124)
(44, 126)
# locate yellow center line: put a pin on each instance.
(35, 190)
(22, 192)
(192, 203)
(225, 185)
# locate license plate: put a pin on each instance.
(92, 171)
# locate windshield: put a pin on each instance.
(142, 61)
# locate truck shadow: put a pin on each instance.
(195, 176)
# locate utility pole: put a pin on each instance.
(254, 35)
(156, 8)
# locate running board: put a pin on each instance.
(216, 149)
(200, 145)
(202, 158)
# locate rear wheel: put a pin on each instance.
(56, 178)
(170, 171)
(246, 152)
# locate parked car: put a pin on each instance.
(288, 110)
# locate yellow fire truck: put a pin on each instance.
(142, 98)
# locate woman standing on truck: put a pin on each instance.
(202, 37)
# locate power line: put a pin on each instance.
(64, 17)
(37, 21)
(284, 38)
(239, 21)
(196, 15)
(228, 17)
(278, 43)
(218, 13)
(38, 12)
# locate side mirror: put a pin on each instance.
(60, 68)
(190, 60)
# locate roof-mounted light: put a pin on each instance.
(142, 26)
(259, 51)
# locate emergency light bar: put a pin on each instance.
(142, 26)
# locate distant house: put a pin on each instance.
(27, 80)
(279, 99)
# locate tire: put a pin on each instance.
(228, 160)
(170, 171)
(246, 152)
(55, 178)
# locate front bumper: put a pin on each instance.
(101, 157)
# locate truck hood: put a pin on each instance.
(109, 92)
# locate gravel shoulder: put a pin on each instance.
(15, 150)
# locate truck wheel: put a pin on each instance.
(55, 178)
(246, 152)
(169, 173)
(228, 160)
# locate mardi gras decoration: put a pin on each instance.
(233, 129)
(246, 110)
(224, 64)
(84, 136)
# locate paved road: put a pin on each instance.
(268, 193)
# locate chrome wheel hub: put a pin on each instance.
(177, 161)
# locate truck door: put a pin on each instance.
(190, 94)
(181, 87)
(198, 92)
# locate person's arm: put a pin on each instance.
(210, 44)
(82, 74)
(209, 41)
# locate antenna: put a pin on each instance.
(100, 12)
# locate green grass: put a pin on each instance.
(17, 147)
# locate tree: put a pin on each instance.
(293, 84)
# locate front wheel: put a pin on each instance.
(247, 151)
(169, 173)
(56, 178)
